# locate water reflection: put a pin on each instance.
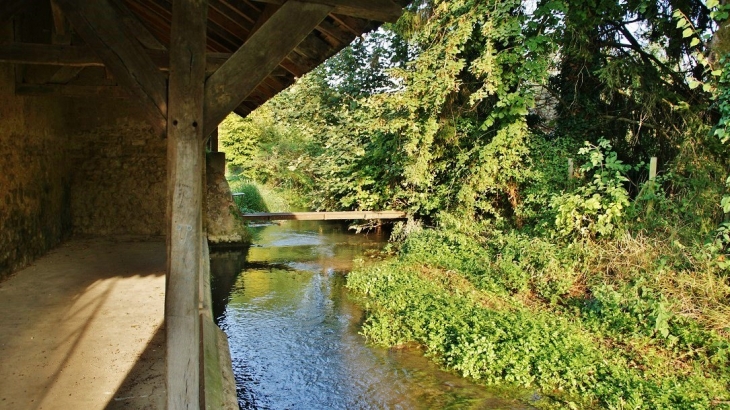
(294, 336)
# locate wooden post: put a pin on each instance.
(570, 169)
(651, 184)
(185, 193)
(652, 169)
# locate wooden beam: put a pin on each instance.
(356, 26)
(304, 64)
(83, 56)
(156, 22)
(292, 68)
(100, 25)
(243, 8)
(314, 48)
(65, 74)
(340, 36)
(9, 8)
(258, 57)
(224, 9)
(264, 16)
(325, 216)
(61, 31)
(26, 53)
(218, 38)
(378, 10)
(74, 91)
(274, 83)
(139, 30)
(280, 72)
(186, 159)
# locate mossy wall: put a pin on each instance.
(34, 180)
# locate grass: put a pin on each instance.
(634, 322)
(258, 197)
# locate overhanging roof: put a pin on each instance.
(231, 24)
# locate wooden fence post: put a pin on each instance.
(651, 184)
(570, 169)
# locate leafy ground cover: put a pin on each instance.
(590, 327)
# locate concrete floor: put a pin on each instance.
(81, 328)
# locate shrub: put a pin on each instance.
(257, 197)
(598, 207)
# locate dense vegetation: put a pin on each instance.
(601, 288)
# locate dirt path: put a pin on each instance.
(82, 328)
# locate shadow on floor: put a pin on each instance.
(144, 387)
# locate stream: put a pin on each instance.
(294, 332)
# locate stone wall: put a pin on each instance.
(222, 218)
(119, 176)
(34, 183)
(72, 166)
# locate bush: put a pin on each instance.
(257, 197)
(598, 207)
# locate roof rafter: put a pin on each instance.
(259, 57)
(84, 56)
(140, 31)
(101, 26)
(379, 10)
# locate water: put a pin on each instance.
(293, 331)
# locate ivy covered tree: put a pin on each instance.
(627, 70)
(473, 107)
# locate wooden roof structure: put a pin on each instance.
(187, 64)
(230, 25)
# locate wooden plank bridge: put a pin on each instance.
(324, 216)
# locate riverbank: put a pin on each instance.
(628, 323)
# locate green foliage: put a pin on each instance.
(603, 291)
(497, 264)
(469, 300)
(258, 197)
(598, 207)
(548, 175)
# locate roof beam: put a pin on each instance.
(61, 30)
(83, 56)
(314, 48)
(356, 26)
(139, 30)
(28, 53)
(341, 36)
(264, 16)
(73, 91)
(379, 10)
(101, 26)
(259, 57)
